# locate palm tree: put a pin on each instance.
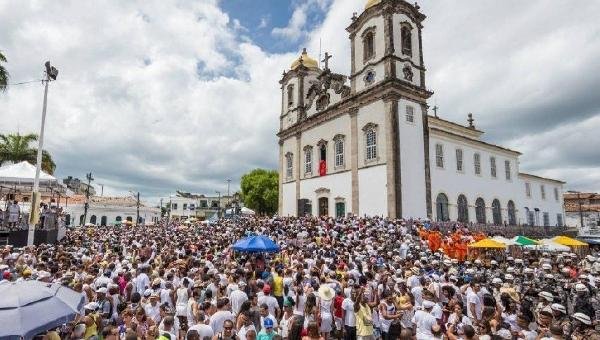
(15, 148)
(3, 74)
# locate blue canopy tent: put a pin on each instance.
(31, 307)
(256, 244)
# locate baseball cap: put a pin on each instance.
(268, 323)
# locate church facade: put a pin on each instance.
(365, 144)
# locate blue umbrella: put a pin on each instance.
(28, 308)
(256, 244)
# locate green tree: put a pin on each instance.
(3, 74)
(260, 190)
(16, 148)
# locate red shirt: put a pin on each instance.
(337, 306)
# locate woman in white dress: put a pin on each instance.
(326, 295)
(181, 305)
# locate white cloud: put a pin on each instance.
(296, 29)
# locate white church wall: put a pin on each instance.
(326, 131)
(416, 74)
(372, 195)
(360, 63)
(289, 199)
(412, 161)
(550, 204)
(289, 146)
(452, 183)
(399, 18)
(339, 186)
(371, 113)
(377, 69)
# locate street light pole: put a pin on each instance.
(34, 214)
(219, 204)
(87, 197)
(137, 218)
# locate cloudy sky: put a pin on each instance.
(171, 94)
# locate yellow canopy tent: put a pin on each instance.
(487, 243)
(567, 241)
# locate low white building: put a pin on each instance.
(108, 211)
(369, 146)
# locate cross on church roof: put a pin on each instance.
(471, 120)
(326, 60)
(435, 108)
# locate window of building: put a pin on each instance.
(371, 137)
(339, 151)
(493, 167)
(463, 209)
(546, 217)
(507, 169)
(410, 114)
(192, 206)
(559, 220)
(214, 204)
(527, 189)
(289, 165)
(477, 163)
(368, 44)
(556, 194)
(406, 36)
(308, 155)
(184, 206)
(439, 155)
(203, 204)
(174, 206)
(459, 160)
(290, 95)
(543, 191)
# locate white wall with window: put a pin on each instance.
(541, 206)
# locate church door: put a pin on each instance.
(340, 209)
(323, 206)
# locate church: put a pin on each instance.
(366, 144)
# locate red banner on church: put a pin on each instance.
(322, 168)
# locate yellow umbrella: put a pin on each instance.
(487, 243)
(567, 241)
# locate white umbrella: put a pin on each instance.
(549, 245)
(28, 308)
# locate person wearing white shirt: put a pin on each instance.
(237, 297)
(349, 317)
(222, 314)
(424, 321)
(474, 304)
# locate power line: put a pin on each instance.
(25, 82)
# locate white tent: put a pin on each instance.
(246, 211)
(504, 240)
(549, 245)
(22, 172)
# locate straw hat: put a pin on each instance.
(326, 293)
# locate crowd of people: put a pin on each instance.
(350, 278)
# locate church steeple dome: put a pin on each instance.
(305, 60)
(371, 3)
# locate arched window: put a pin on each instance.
(441, 204)
(308, 165)
(103, 221)
(406, 36)
(496, 215)
(512, 218)
(463, 209)
(339, 150)
(129, 219)
(480, 210)
(81, 221)
(93, 219)
(368, 43)
(290, 94)
(371, 143)
(67, 219)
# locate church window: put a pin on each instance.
(556, 194)
(463, 209)
(368, 44)
(507, 169)
(497, 216)
(289, 165)
(308, 153)
(543, 191)
(439, 155)
(559, 220)
(371, 137)
(459, 160)
(406, 36)
(512, 217)
(290, 95)
(493, 167)
(477, 163)
(480, 210)
(527, 189)
(339, 150)
(410, 114)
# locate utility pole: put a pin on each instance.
(87, 197)
(219, 204)
(137, 213)
(169, 210)
(101, 190)
(228, 196)
(34, 214)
